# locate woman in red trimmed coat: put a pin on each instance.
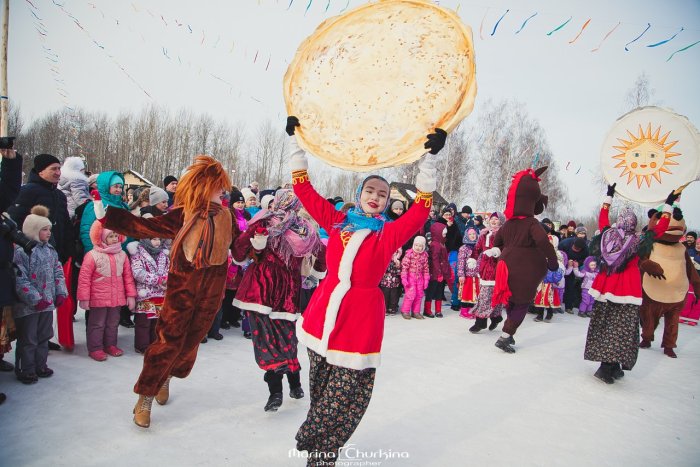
(613, 333)
(343, 326)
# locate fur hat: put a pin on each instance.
(419, 240)
(156, 195)
(35, 221)
(44, 160)
(581, 230)
(248, 193)
(266, 200)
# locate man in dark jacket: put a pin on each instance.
(10, 182)
(42, 188)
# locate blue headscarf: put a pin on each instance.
(358, 219)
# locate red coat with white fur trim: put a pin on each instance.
(344, 321)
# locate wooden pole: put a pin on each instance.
(3, 69)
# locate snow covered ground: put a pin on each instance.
(443, 397)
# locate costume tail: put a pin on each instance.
(501, 292)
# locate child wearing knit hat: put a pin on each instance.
(105, 284)
(40, 287)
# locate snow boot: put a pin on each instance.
(295, 390)
(504, 344)
(274, 402)
(438, 309)
(418, 316)
(645, 344)
(548, 318)
(570, 311)
(604, 373)
(406, 315)
(142, 411)
(45, 372)
(114, 351)
(616, 371)
(478, 326)
(668, 351)
(495, 322)
(98, 355)
(6, 366)
(164, 392)
(540, 312)
(27, 378)
(426, 309)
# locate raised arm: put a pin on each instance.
(604, 215)
(125, 223)
(397, 233)
(321, 210)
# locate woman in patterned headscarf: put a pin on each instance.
(613, 333)
(277, 240)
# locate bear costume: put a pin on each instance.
(667, 272)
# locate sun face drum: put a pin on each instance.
(649, 152)
(369, 85)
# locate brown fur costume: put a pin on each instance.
(202, 233)
(667, 271)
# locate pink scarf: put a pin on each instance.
(109, 250)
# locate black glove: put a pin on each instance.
(672, 197)
(436, 141)
(611, 189)
(292, 123)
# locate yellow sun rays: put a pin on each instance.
(650, 146)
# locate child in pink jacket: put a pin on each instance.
(415, 275)
(105, 285)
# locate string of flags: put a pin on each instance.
(557, 27)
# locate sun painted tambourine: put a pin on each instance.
(649, 152)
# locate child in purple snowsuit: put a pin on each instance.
(589, 273)
(415, 275)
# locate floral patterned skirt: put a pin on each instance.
(151, 307)
(339, 399)
(613, 334)
(483, 308)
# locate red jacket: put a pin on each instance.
(344, 321)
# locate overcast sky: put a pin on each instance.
(123, 55)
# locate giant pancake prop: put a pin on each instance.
(369, 85)
(649, 152)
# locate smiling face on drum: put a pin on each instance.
(645, 156)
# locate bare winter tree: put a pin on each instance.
(509, 140)
(640, 94)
